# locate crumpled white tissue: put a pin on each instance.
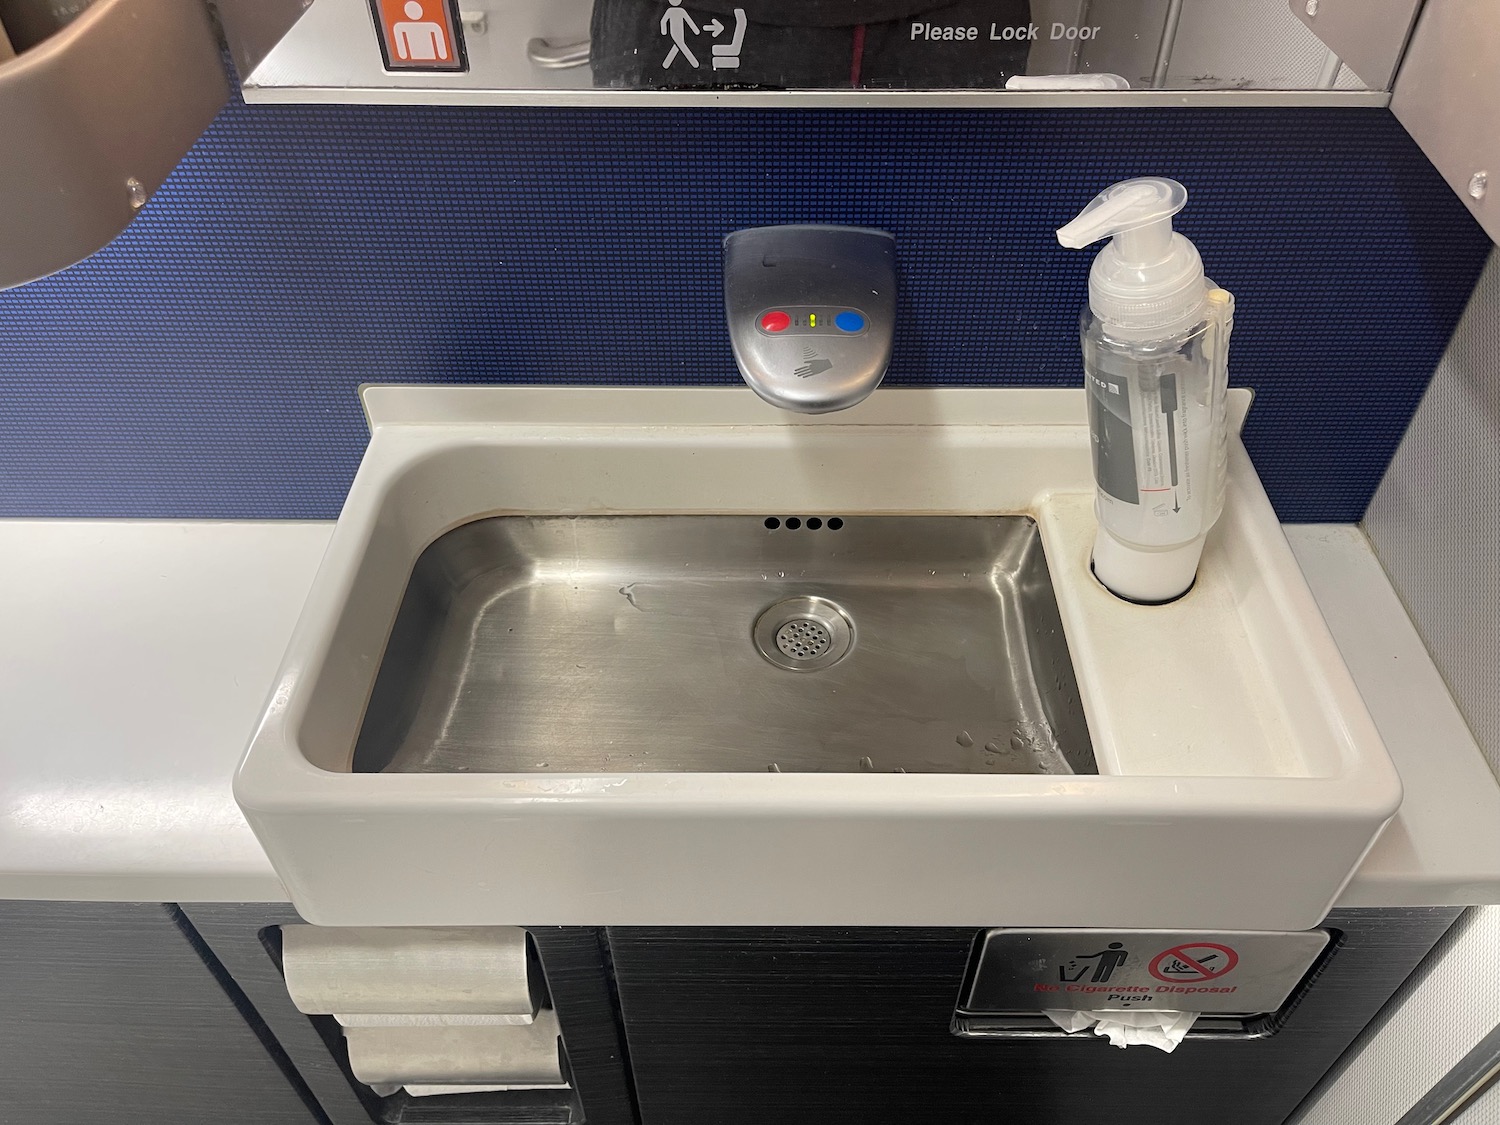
(1162, 1030)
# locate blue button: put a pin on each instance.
(849, 321)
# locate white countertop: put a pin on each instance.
(136, 657)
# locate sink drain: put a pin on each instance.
(804, 634)
(802, 640)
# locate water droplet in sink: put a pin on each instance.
(781, 574)
(773, 768)
(867, 764)
(1017, 743)
(964, 739)
(992, 747)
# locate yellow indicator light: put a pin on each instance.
(812, 320)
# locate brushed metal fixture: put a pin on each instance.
(804, 634)
(557, 56)
(631, 644)
(811, 312)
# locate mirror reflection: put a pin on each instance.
(911, 45)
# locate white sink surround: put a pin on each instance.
(1241, 777)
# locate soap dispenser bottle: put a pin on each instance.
(1155, 354)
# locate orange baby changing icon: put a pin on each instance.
(419, 34)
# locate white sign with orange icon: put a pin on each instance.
(419, 34)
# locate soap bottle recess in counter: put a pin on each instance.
(1155, 352)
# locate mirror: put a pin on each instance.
(919, 45)
(791, 51)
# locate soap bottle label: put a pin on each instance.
(1148, 422)
(1163, 437)
(1112, 437)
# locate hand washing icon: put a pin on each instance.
(812, 364)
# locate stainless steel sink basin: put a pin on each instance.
(728, 644)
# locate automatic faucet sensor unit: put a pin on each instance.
(811, 311)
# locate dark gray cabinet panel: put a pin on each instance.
(236, 934)
(824, 1026)
(149, 1013)
(109, 1014)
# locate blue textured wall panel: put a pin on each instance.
(206, 363)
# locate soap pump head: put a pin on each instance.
(1148, 282)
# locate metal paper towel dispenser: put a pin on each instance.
(98, 103)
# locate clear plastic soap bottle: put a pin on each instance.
(1155, 355)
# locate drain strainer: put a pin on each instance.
(802, 639)
(804, 634)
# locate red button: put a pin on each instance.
(775, 321)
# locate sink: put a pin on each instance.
(909, 644)
(669, 656)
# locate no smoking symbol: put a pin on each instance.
(1193, 962)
